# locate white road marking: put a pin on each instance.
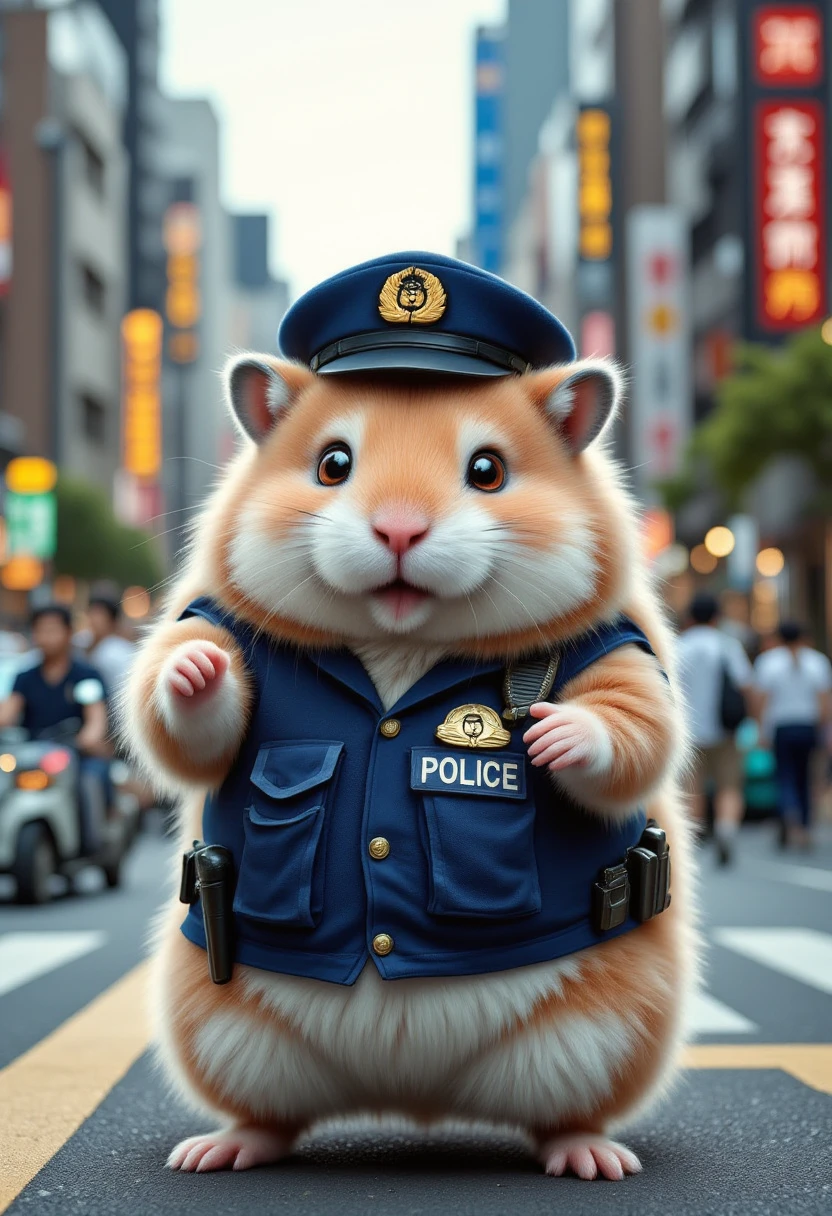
(801, 876)
(801, 954)
(25, 956)
(707, 1015)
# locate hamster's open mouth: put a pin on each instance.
(400, 598)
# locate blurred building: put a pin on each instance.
(597, 159)
(64, 92)
(747, 101)
(259, 300)
(136, 23)
(198, 319)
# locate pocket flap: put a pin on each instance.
(283, 770)
(267, 821)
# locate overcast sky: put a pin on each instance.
(350, 122)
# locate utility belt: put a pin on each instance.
(639, 886)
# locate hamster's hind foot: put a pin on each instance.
(236, 1148)
(588, 1157)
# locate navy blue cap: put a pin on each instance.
(422, 311)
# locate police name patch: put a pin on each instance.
(502, 776)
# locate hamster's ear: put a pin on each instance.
(259, 389)
(579, 398)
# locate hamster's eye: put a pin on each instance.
(487, 472)
(335, 464)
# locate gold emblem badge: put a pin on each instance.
(412, 296)
(473, 726)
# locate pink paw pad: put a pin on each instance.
(588, 1157)
(238, 1148)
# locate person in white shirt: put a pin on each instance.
(111, 653)
(706, 657)
(796, 685)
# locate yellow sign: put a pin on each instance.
(22, 573)
(594, 185)
(31, 475)
(473, 726)
(141, 333)
(183, 303)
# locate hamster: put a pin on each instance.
(349, 522)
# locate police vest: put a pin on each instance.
(419, 836)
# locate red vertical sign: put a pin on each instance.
(788, 119)
(791, 216)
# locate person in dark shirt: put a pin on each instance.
(43, 696)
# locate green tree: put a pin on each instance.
(93, 544)
(778, 401)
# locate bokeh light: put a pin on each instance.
(770, 562)
(719, 541)
(135, 603)
(702, 561)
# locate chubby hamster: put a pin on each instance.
(415, 679)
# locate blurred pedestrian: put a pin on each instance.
(717, 679)
(109, 651)
(795, 683)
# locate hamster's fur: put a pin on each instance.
(564, 1050)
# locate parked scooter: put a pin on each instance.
(40, 810)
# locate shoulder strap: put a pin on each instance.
(529, 680)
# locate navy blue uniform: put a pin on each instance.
(357, 833)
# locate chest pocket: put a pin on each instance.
(281, 877)
(482, 858)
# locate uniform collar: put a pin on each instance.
(347, 669)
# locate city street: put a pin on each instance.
(748, 1130)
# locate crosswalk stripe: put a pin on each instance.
(801, 954)
(25, 956)
(707, 1015)
(801, 876)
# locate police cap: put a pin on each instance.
(425, 312)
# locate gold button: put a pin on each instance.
(382, 943)
(390, 727)
(379, 848)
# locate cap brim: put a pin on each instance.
(422, 359)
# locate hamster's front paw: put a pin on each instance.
(195, 671)
(567, 736)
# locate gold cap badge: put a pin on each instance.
(412, 296)
(473, 726)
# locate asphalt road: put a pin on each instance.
(742, 1138)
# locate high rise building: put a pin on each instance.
(136, 23)
(199, 272)
(259, 299)
(536, 73)
(63, 99)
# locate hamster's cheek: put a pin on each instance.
(343, 550)
(457, 555)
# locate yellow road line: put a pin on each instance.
(810, 1063)
(46, 1094)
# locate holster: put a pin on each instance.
(208, 875)
(639, 886)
